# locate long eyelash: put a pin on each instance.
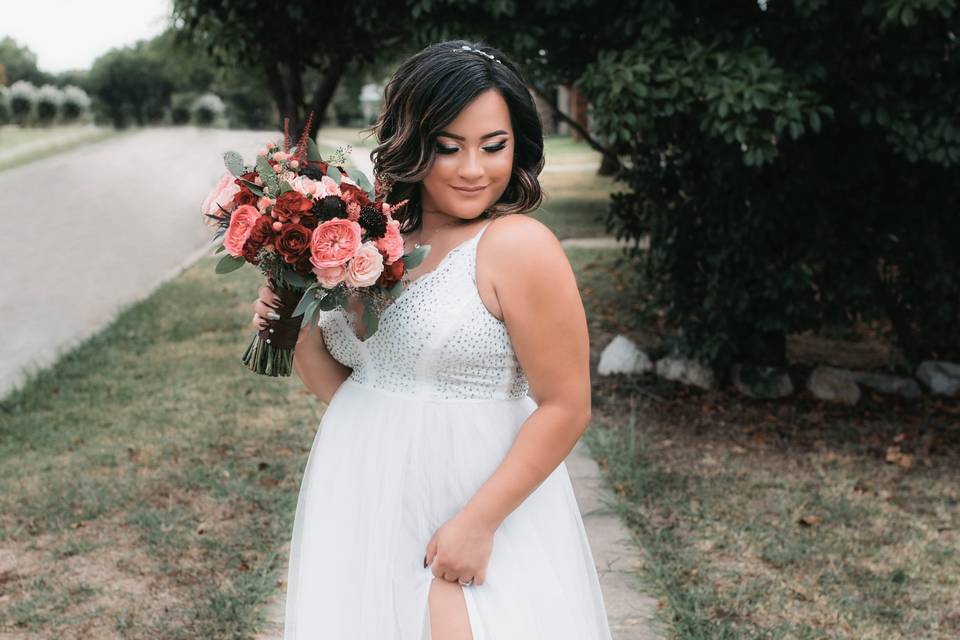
(446, 150)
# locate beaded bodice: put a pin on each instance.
(436, 340)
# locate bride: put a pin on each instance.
(435, 502)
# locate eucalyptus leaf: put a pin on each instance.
(295, 279)
(220, 248)
(364, 183)
(229, 263)
(334, 173)
(254, 187)
(313, 151)
(234, 163)
(285, 186)
(267, 174)
(416, 256)
(395, 291)
(329, 302)
(310, 313)
(309, 298)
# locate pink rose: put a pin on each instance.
(366, 266)
(330, 277)
(328, 187)
(265, 202)
(334, 242)
(305, 185)
(241, 224)
(220, 196)
(392, 242)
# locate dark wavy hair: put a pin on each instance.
(425, 94)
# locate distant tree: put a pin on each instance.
(130, 84)
(75, 103)
(282, 41)
(23, 97)
(48, 102)
(20, 63)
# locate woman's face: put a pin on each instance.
(474, 151)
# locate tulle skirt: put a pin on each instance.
(385, 471)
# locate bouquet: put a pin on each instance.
(321, 235)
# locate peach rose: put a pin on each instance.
(241, 224)
(220, 196)
(391, 243)
(334, 242)
(330, 277)
(366, 266)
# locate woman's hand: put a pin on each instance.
(266, 307)
(460, 549)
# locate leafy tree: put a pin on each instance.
(795, 165)
(792, 161)
(283, 42)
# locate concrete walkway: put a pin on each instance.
(67, 278)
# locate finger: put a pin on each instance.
(268, 298)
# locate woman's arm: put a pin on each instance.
(320, 373)
(543, 312)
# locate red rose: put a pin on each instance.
(260, 233)
(293, 242)
(245, 196)
(293, 202)
(353, 193)
(391, 274)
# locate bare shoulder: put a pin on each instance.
(518, 241)
(525, 260)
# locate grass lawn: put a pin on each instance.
(19, 145)
(148, 480)
(777, 519)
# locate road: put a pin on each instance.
(99, 227)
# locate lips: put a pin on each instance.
(469, 190)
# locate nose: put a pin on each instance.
(471, 169)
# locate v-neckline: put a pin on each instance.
(439, 264)
(403, 294)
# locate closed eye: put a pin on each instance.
(447, 150)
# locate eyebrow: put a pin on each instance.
(498, 132)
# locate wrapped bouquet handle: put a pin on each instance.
(271, 351)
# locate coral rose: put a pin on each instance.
(241, 224)
(365, 267)
(334, 242)
(391, 244)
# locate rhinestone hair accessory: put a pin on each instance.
(483, 53)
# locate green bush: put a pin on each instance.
(795, 166)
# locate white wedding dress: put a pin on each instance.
(433, 404)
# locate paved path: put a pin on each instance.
(59, 288)
(68, 271)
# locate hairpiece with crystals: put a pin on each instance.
(483, 53)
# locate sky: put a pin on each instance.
(71, 34)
